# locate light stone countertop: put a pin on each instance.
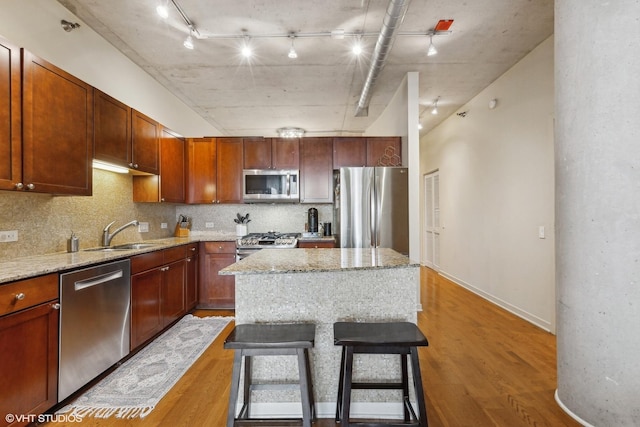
(279, 261)
(31, 266)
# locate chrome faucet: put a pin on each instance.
(106, 236)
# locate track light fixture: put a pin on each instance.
(69, 26)
(432, 49)
(434, 111)
(292, 51)
(188, 43)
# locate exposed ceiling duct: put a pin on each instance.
(391, 22)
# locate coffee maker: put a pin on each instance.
(312, 220)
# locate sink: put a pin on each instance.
(126, 246)
(122, 247)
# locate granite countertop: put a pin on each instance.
(36, 265)
(270, 261)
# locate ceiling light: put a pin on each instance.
(162, 11)
(419, 126)
(357, 48)
(97, 164)
(432, 49)
(290, 132)
(292, 52)
(435, 106)
(246, 49)
(188, 43)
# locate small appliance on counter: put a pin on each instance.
(182, 226)
(312, 220)
(326, 229)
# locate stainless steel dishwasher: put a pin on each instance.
(94, 323)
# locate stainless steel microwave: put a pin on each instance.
(271, 186)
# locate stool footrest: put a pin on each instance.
(271, 422)
(378, 386)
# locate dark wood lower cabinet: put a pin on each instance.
(28, 362)
(158, 292)
(192, 277)
(214, 290)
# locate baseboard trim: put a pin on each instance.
(531, 318)
(568, 411)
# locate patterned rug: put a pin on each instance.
(135, 387)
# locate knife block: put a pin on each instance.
(181, 232)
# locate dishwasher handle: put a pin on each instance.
(97, 280)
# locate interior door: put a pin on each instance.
(431, 251)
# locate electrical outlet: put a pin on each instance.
(9, 236)
(163, 225)
(208, 224)
(143, 227)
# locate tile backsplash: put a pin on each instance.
(45, 222)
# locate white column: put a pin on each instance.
(597, 80)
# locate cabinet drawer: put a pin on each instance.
(27, 293)
(317, 244)
(174, 254)
(220, 247)
(146, 261)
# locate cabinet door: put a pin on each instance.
(257, 153)
(57, 129)
(215, 291)
(316, 171)
(348, 152)
(285, 153)
(173, 289)
(191, 291)
(384, 151)
(10, 117)
(144, 143)
(146, 315)
(201, 170)
(112, 132)
(29, 360)
(172, 165)
(229, 170)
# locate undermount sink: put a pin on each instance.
(122, 247)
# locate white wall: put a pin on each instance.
(496, 171)
(400, 118)
(35, 25)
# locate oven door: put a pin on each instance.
(264, 185)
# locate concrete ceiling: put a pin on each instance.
(320, 89)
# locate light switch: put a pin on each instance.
(541, 232)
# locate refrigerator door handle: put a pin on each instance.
(372, 217)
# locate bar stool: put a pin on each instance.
(401, 338)
(251, 340)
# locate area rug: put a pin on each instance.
(135, 387)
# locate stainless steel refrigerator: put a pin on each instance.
(371, 208)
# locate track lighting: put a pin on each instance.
(188, 43)
(434, 111)
(246, 49)
(357, 46)
(432, 49)
(162, 11)
(292, 52)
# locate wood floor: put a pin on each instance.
(483, 367)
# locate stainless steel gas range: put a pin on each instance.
(253, 242)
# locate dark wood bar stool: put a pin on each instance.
(401, 338)
(251, 340)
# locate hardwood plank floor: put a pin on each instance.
(483, 367)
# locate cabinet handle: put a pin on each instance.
(164, 269)
(162, 199)
(30, 186)
(188, 259)
(55, 306)
(193, 249)
(19, 186)
(20, 296)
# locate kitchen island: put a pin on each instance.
(323, 286)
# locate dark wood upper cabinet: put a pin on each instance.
(57, 129)
(229, 170)
(271, 153)
(145, 134)
(349, 152)
(112, 130)
(384, 151)
(169, 185)
(10, 116)
(316, 171)
(201, 170)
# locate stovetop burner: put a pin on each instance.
(269, 239)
